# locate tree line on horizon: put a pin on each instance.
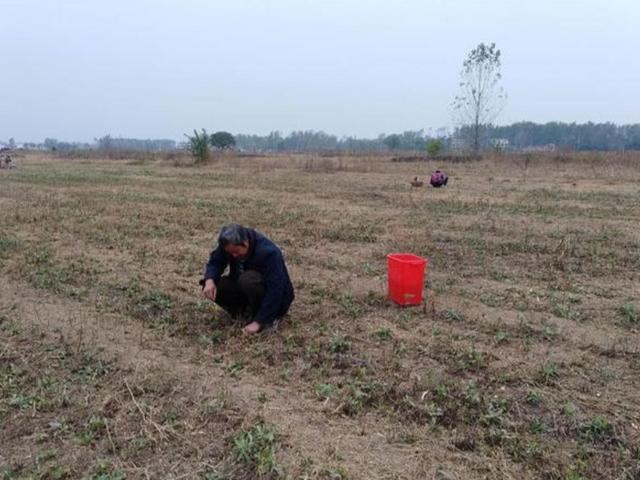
(520, 136)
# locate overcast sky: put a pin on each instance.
(79, 69)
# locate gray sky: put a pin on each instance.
(79, 69)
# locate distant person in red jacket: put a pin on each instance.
(438, 179)
(258, 287)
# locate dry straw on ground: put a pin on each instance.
(522, 363)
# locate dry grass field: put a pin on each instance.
(523, 362)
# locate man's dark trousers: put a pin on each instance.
(241, 297)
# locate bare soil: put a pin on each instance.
(522, 361)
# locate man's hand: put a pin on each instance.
(253, 327)
(209, 290)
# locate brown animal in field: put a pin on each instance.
(416, 183)
(7, 162)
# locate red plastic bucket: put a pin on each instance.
(405, 273)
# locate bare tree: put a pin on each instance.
(481, 96)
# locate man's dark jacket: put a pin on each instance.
(265, 258)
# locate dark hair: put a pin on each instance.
(233, 234)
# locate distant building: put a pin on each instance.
(549, 147)
(500, 144)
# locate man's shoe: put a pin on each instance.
(273, 326)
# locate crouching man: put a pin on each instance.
(258, 287)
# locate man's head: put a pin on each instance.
(234, 239)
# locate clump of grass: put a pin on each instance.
(491, 300)
(8, 473)
(349, 305)
(255, 448)
(236, 367)
(361, 394)
(8, 326)
(569, 409)
(497, 275)
(441, 390)
(93, 430)
(285, 373)
(471, 359)
(567, 311)
(105, 471)
(92, 367)
(533, 398)
(548, 373)
(153, 306)
(56, 472)
(534, 450)
(69, 276)
(472, 395)
(363, 233)
(323, 390)
(155, 301)
(170, 417)
(573, 475)
(375, 299)
(214, 338)
(538, 426)
(596, 429)
(8, 245)
(630, 314)
(383, 334)
(334, 473)
(214, 406)
(550, 332)
(338, 344)
(501, 336)
(45, 456)
(453, 315)
(495, 412)
(212, 475)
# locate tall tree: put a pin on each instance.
(222, 140)
(392, 141)
(481, 96)
(50, 143)
(105, 143)
(434, 147)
